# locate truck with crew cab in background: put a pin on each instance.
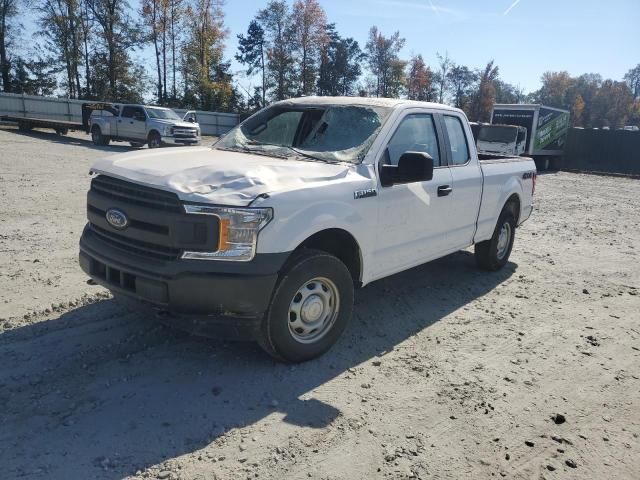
(142, 124)
(269, 232)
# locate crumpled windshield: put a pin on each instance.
(334, 133)
(162, 113)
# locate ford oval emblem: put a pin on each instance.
(117, 218)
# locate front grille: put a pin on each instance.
(158, 227)
(132, 193)
(136, 247)
(189, 133)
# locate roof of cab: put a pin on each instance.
(365, 101)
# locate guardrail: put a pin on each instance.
(69, 110)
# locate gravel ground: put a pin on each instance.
(444, 372)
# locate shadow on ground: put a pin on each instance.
(102, 393)
(71, 140)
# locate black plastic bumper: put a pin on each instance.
(195, 287)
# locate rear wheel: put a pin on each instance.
(97, 137)
(62, 131)
(154, 140)
(493, 254)
(310, 308)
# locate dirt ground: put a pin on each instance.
(444, 372)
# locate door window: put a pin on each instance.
(457, 140)
(416, 133)
(133, 112)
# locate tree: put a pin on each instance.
(442, 75)
(461, 80)
(555, 87)
(612, 104)
(8, 27)
(59, 21)
(485, 96)
(577, 110)
(340, 64)
(152, 18)
(507, 93)
(207, 80)
(632, 78)
(117, 35)
(275, 19)
(309, 23)
(251, 52)
(176, 11)
(384, 62)
(33, 77)
(419, 80)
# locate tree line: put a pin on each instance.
(85, 50)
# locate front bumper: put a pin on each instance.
(180, 141)
(194, 287)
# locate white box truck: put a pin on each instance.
(547, 129)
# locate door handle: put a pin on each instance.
(444, 190)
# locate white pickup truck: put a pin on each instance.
(141, 124)
(270, 231)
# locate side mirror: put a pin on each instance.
(412, 167)
(191, 120)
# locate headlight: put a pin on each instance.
(238, 232)
(168, 131)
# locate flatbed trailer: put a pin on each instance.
(25, 124)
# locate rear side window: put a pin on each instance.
(457, 140)
(416, 133)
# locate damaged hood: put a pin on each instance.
(219, 177)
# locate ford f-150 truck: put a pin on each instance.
(272, 228)
(140, 124)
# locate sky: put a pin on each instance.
(524, 37)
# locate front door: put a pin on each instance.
(413, 218)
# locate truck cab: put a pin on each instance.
(140, 125)
(269, 231)
(502, 139)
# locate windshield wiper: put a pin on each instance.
(252, 150)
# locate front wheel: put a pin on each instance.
(154, 140)
(493, 254)
(310, 308)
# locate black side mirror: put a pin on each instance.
(191, 120)
(412, 167)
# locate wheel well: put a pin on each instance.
(513, 203)
(153, 132)
(341, 244)
(96, 127)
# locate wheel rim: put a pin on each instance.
(504, 239)
(95, 136)
(313, 310)
(154, 142)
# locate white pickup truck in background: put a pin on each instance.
(141, 124)
(270, 231)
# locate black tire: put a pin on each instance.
(24, 126)
(62, 131)
(307, 268)
(491, 254)
(137, 144)
(154, 140)
(97, 137)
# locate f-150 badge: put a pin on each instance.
(369, 192)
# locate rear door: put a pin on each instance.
(413, 218)
(466, 180)
(133, 123)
